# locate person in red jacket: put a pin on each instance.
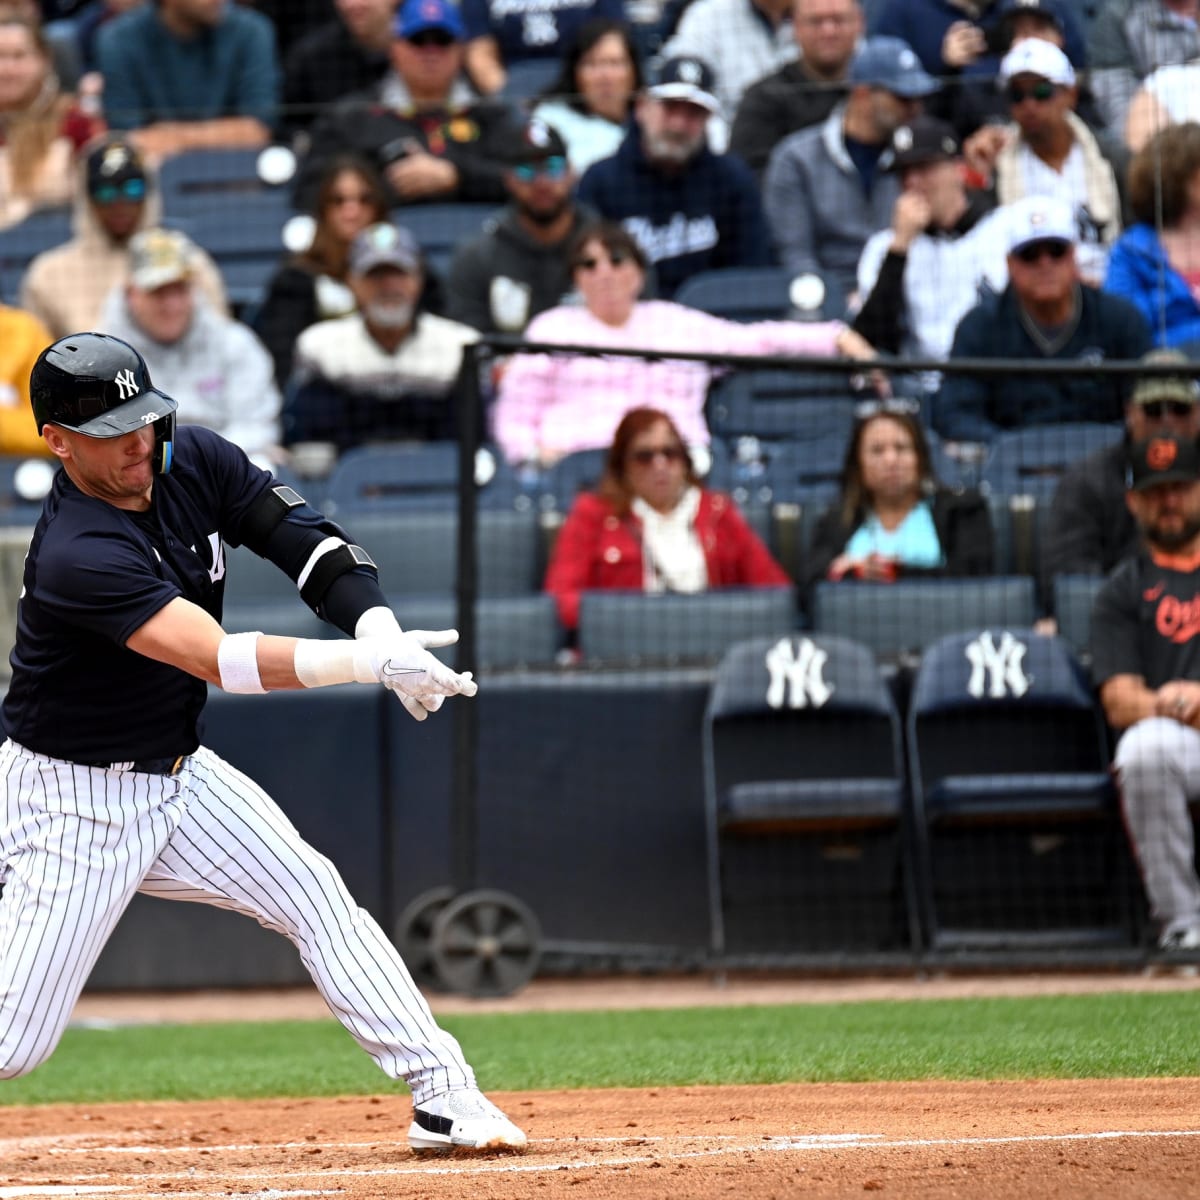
(651, 526)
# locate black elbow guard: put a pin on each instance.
(332, 558)
(264, 517)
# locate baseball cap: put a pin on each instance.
(891, 63)
(416, 16)
(1040, 219)
(384, 245)
(1163, 458)
(1034, 56)
(112, 164)
(1166, 387)
(160, 256)
(1042, 8)
(530, 140)
(923, 140)
(689, 78)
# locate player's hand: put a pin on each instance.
(403, 664)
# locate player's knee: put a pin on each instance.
(20, 1061)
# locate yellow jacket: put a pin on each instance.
(22, 338)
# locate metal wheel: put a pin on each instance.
(414, 929)
(485, 943)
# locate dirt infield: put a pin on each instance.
(1029, 1140)
(1044, 1140)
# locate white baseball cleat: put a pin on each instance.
(462, 1120)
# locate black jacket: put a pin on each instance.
(324, 66)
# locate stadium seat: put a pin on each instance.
(1016, 820)
(24, 506)
(1031, 461)
(21, 243)
(440, 228)
(781, 405)
(666, 629)
(755, 294)
(805, 794)
(1073, 597)
(528, 78)
(905, 617)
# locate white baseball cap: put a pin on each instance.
(1040, 219)
(1033, 56)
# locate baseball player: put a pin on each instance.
(105, 789)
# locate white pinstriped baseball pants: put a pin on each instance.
(77, 842)
(1158, 765)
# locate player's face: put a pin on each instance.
(1168, 514)
(655, 467)
(887, 460)
(118, 470)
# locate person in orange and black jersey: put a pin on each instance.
(892, 518)
(1145, 643)
(425, 129)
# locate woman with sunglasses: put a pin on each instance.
(311, 285)
(591, 101)
(651, 525)
(41, 127)
(892, 518)
(1156, 261)
(548, 406)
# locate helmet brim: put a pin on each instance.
(144, 409)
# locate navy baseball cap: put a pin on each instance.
(923, 140)
(112, 163)
(418, 16)
(1163, 458)
(891, 63)
(1049, 9)
(531, 140)
(689, 78)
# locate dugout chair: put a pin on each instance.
(440, 228)
(757, 294)
(903, 618)
(805, 798)
(1015, 816)
(641, 629)
(1073, 597)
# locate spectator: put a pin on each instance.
(1130, 39)
(690, 209)
(190, 74)
(1044, 313)
(652, 526)
(41, 128)
(116, 196)
(1090, 528)
(213, 365)
(1171, 96)
(549, 406)
(944, 250)
(892, 519)
(743, 40)
(825, 193)
(591, 101)
(1049, 151)
(1156, 262)
(313, 285)
(802, 93)
(85, 28)
(1144, 662)
(518, 268)
(292, 18)
(387, 370)
(337, 59)
(501, 34)
(22, 338)
(425, 131)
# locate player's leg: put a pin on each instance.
(1158, 767)
(236, 849)
(74, 845)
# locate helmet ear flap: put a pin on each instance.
(164, 443)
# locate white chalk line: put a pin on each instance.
(766, 1144)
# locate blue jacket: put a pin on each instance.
(706, 216)
(1139, 271)
(974, 408)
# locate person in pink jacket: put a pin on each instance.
(551, 405)
(651, 526)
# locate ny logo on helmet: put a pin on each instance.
(126, 384)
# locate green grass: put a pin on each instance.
(1108, 1035)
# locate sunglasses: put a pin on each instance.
(617, 258)
(1041, 92)
(1036, 250)
(110, 193)
(1157, 409)
(432, 37)
(647, 454)
(554, 167)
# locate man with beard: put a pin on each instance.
(190, 74)
(1146, 661)
(690, 210)
(385, 371)
(518, 268)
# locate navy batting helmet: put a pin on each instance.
(100, 386)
